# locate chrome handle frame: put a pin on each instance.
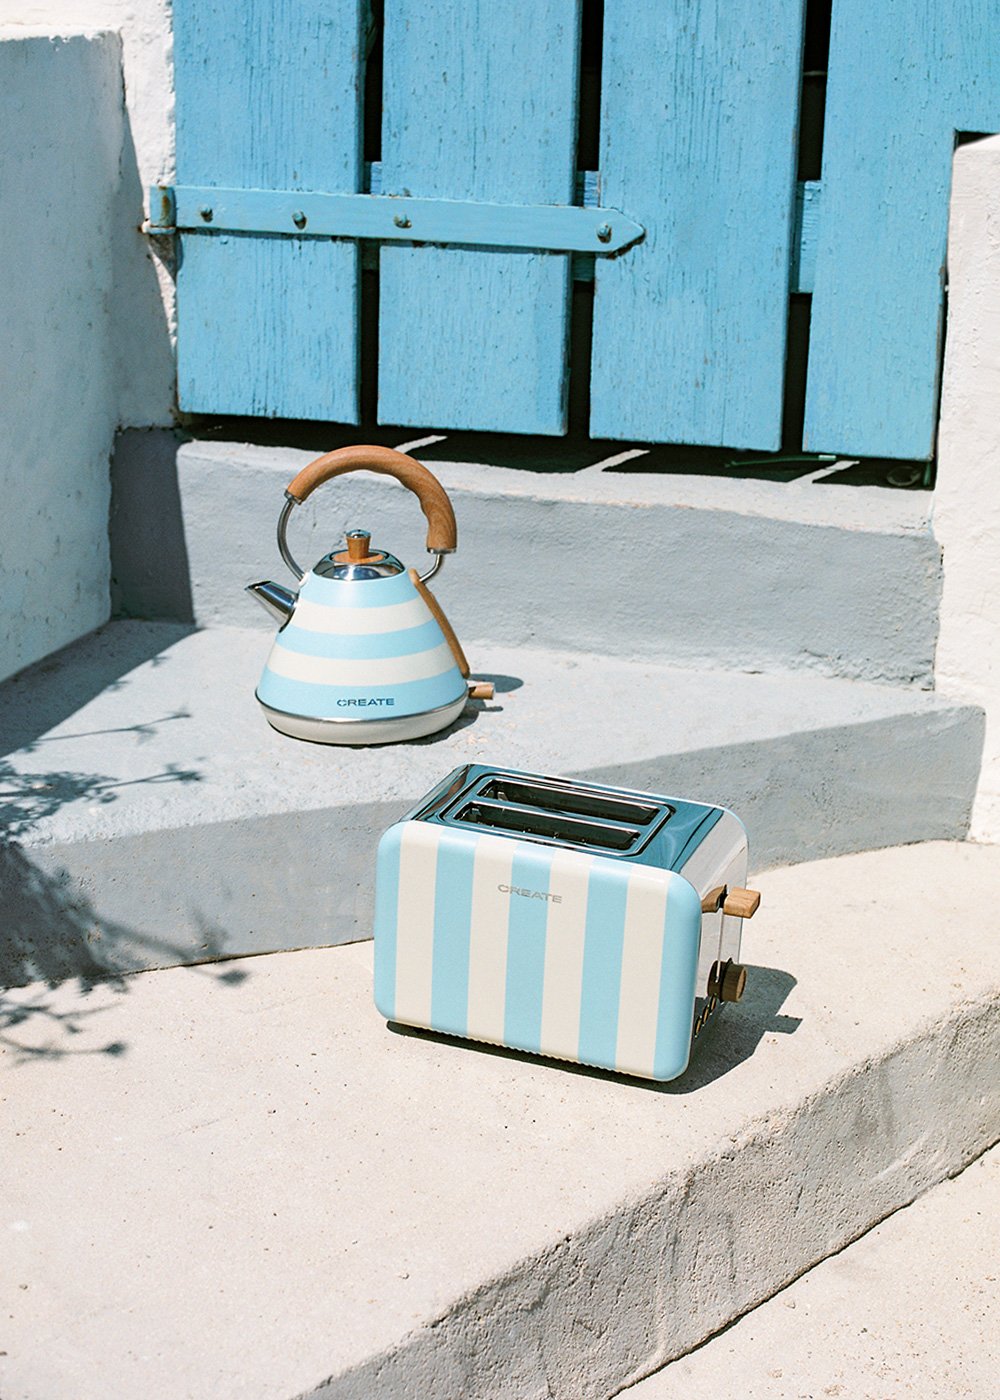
(292, 564)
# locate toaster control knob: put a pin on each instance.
(727, 981)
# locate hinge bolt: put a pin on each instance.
(299, 219)
(604, 233)
(401, 221)
(206, 213)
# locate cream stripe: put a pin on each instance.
(564, 937)
(642, 957)
(494, 861)
(355, 622)
(415, 922)
(394, 670)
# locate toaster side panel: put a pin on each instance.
(557, 952)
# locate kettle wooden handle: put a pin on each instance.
(442, 532)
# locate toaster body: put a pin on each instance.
(567, 919)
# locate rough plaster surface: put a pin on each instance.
(236, 1181)
(737, 574)
(143, 750)
(62, 144)
(142, 307)
(910, 1309)
(967, 498)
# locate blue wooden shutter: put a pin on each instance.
(268, 98)
(904, 76)
(698, 144)
(479, 103)
(698, 140)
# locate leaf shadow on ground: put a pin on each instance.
(51, 932)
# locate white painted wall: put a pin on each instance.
(143, 306)
(62, 142)
(967, 499)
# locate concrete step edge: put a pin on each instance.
(426, 1217)
(143, 749)
(625, 1253)
(739, 574)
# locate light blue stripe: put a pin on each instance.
(604, 938)
(321, 701)
(386, 916)
(522, 1026)
(371, 646)
(363, 593)
(678, 974)
(452, 924)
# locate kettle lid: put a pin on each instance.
(357, 560)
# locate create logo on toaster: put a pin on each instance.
(530, 894)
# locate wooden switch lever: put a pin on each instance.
(743, 904)
(712, 902)
(480, 690)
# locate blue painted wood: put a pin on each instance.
(904, 75)
(294, 212)
(698, 137)
(479, 104)
(268, 97)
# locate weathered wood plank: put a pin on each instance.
(698, 135)
(479, 104)
(268, 98)
(904, 76)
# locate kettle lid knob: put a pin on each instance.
(358, 542)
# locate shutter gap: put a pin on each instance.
(588, 146)
(812, 112)
(371, 126)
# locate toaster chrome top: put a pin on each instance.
(613, 822)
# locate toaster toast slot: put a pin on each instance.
(547, 826)
(549, 797)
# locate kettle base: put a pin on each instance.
(359, 732)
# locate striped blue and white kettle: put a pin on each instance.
(364, 654)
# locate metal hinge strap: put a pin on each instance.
(556, 228)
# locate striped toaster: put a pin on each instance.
(572, 920)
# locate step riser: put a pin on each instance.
(304, 879)
(613, 1305)
(581, 570)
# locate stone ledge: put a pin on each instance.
(236, 1181)
(160, 820)
(690, 571)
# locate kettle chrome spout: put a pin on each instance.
(279, 601)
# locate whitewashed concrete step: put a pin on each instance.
(160, 820)
(686, 570)
(235, 1181)
(910, 1309)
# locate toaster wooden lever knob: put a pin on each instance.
(727, 981)
(480, 690)
(713, 901)
(743, 904)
